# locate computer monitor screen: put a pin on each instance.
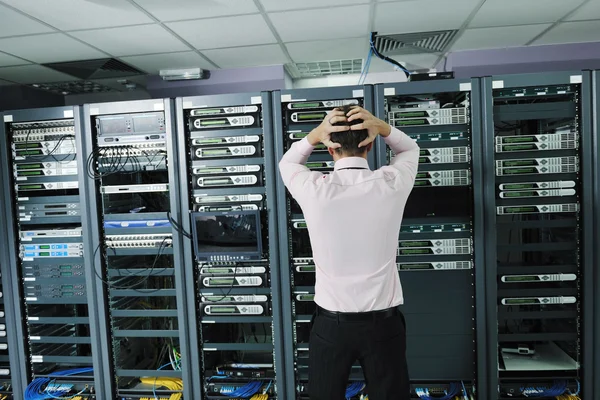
(227, 235)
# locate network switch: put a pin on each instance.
(234, 198)
(537, 209)
(458, 120)
(222, 181)
(444, 155)
(54, 233)
(152, 240)
(524, 301)
(202, 112)
(134, 188)
(438, 265)
(537, 185)
(128, 140)
(308, 116)
(252, 298)
(522, 194)
(25, 170)
(304, 105)
(427, 113)
(225, 152)
(244, 121)
(437, 137)
(233, 281)
(52, 270)
(225, 140)
(538, 278)
(234, 309)
(29, 187)
(227, 169)
(226, 270)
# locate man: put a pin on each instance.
(353, 216)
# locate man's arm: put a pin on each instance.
(406, 150)
(293, 171)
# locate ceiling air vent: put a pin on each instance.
(103, 68)
(414, 43)
(325, 68)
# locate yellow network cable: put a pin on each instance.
(262, 396)
(568, 397)
(169, 383)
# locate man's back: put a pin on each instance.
(353, 217)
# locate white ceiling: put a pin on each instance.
(158, 34)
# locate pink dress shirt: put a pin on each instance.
(353, 218)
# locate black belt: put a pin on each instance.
(358, 317)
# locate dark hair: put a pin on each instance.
(351, 138)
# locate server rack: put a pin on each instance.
(135, 244)
(53, 316)
(9, 354)
(440, 255)
(227, 170)
(297, 268)
(539, 244)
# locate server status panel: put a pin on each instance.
(296, 114)
(42, 164)
(539, 166)
(228, 195)
(436, 258)
(132, 167)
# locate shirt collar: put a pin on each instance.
(351, 162)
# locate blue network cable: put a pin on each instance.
(354, 389)
(449, 394)
(557, 389)
(248, 390)
(42, 388)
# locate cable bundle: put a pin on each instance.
(559, 391)
(249, 389)
(168, 383)
(449, 394)
(46, 388)
(354, 389)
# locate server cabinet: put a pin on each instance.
(440, 254)
(296, 113)
(228, 216)
(53, 317)
(135, 243)
(10, 354)
(539, 249)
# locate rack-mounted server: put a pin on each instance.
(134, 188)
(228, 183)
(296, 113)
(437, 241)
(40, 149)
(537, 133)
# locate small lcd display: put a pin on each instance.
(236, 234)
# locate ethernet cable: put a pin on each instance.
(45, 388)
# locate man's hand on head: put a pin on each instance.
(322, 133)
(372, 124)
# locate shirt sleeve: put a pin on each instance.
(406, 160)
(294, 173)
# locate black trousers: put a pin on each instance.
(379, 345)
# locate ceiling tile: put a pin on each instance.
(519, 12)
(14, 23)
(224, 32)
(328, 50)
(572, 32)
(34, 74)
(591, 10)
(416, 16)
(247, 56)
(7, 60)
(53, 47)
(278, 5)
(498, 37)
(190, 9)
(82, 14)
(152, 64)
(132, 40)
(331, 23)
